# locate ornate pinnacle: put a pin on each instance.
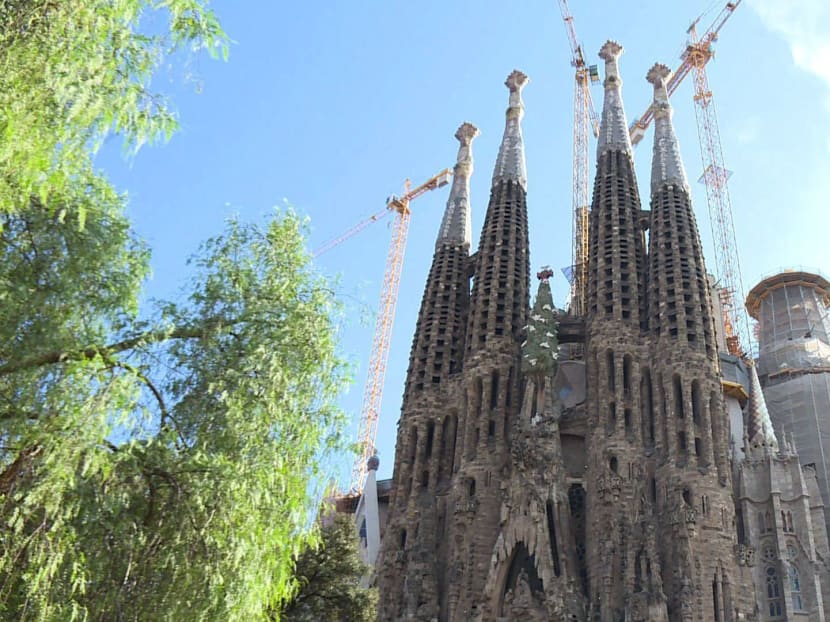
(456, 227)
(613, 133)
(464, 162)
(516, 81)
(544, 274)
(510, 164)
(666, 165)
(466, 133)
(658, 76)
(759, 428)
(610, 52)
(610, 49)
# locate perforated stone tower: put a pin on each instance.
(614, 349)
(527, 487)
(691, 489)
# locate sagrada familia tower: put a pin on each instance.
(521, 495)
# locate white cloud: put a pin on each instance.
(805, 25)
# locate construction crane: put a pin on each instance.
(585, 120)
(373, 392)
(336, 241)
(715, 176)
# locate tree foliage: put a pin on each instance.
(329, 577)
(158, 470)
(156, 463)
(74, 71)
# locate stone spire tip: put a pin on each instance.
(456, 226)
(666, 165)
(659, 75)
(466, 133)
(516, 81)
(613, 132)
(610, 50)
(510, 163)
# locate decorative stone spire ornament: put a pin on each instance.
(666, 165)
(456, 226)
(510, 164)
(613, 129)
(540, 350)
(759, 430)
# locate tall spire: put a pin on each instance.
(510, 164)
(499, 298)
(666, 165)
(616, 261)
(759, 428)
(456, 227)
(613, 130)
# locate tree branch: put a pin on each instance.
(86, 354)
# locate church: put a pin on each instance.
(617, 465)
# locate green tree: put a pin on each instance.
(329, 577)
(76, 71)
(161, 464)
(164, 469)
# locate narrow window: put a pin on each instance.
(627, 374)
(716, 599)
(494, 389)
(534, 404)
(678, 396)
(696, 402)
(612, 463)
(554, 549)
(647, 415)
(403, 538)
(430, 438)
(775, 606)
(795, 587)
(609, 360)
(413, 440)
(681, 442)
(471, 490)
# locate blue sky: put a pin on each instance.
(331, 105)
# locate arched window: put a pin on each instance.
(776, 607)
(795, 587)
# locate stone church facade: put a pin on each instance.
(553, 467)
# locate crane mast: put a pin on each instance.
(373, 393)
(715, 177)
(585, 121)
